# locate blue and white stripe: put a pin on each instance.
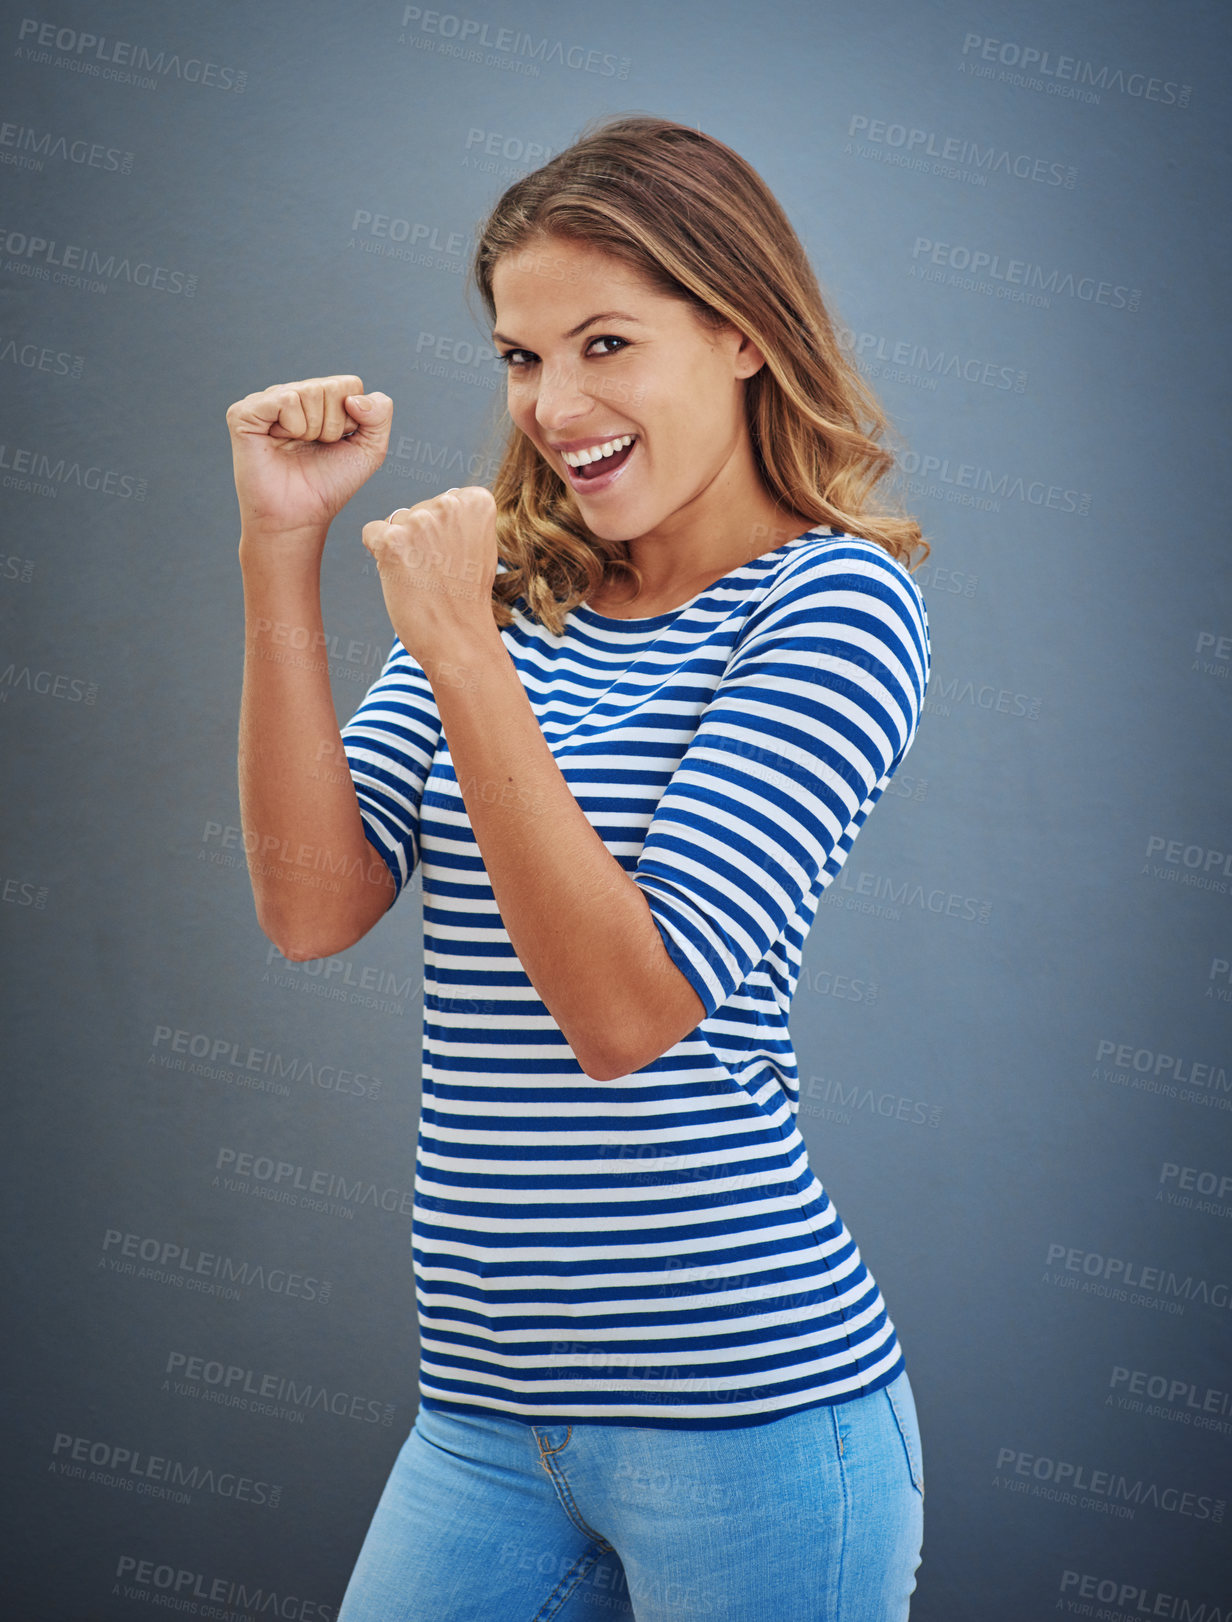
(653, 1250)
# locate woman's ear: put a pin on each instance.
(747, 357)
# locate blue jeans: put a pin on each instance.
(812, 1517)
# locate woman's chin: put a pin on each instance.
(607, 526)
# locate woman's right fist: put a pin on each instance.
(302, 450)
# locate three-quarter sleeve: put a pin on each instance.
(818, 705)
(390, 743)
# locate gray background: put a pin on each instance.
(1013, 1021)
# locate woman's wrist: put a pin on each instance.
(281, 552)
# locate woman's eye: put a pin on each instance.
(517, 360)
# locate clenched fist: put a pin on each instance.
(437, 561)
(302, 450)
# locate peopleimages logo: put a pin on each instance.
(1213, 654)
(343, 980)
(981, 695)
(513, 149)
(1118, 1279)
(851, 1100)
(23, 893)
(1071, 1479)
(218, 1056)
(101, 58)
(178, 1587)
(47, 474)
(255, 1390)
(40, 357)
(69, 264)
(50, 683)
(943, 477)
(981, 270)
(26, 140)
(1133, 1599)
(913, 142)
(1198, 866)
(1070, 76)
(1220, 969)
(286, 1181)
(1172, 1391)
(133, 1469)
(167, 1261)
(902, 360)
(470, 37)
(1195, 1188)
(1144, 1070)
(901, 893)
(1146, 1061)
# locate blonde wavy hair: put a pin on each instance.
(699, 224)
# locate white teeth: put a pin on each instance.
(596, 452)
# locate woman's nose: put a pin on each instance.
(562, 396)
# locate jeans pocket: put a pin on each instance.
(902, 1406)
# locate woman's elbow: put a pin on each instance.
(641, 1042)
(305, 939)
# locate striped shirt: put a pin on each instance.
(653, 1250)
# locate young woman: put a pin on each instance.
(644, 694)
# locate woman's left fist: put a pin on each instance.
(437, 562)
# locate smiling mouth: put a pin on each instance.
(601, 466)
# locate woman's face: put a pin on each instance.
(594, 356)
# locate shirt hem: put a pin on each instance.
(660, 1422)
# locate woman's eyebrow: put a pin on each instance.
(604, 315)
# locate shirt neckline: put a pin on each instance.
(650, 621)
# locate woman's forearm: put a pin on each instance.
(317, 882)
(582, 929)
